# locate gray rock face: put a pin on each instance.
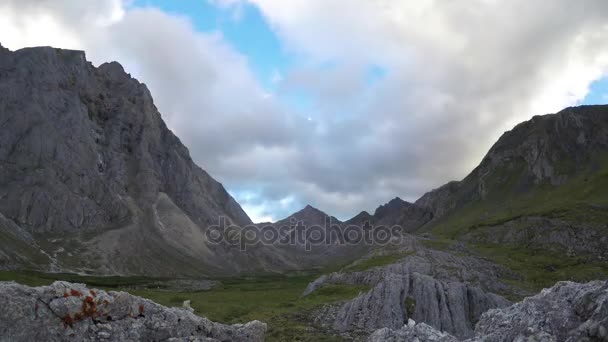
(445, 291)
(399, 212)
(72, 312)
(411, 332)
(91, 179)
(566, 312)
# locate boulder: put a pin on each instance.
(64, 311)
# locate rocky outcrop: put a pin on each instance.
(584, 239)
(568, 312)
(73, 312)
(445, 291)
(411, 332)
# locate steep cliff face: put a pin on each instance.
(86, 160)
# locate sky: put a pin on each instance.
(338, 104)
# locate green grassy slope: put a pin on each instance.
(581, 200)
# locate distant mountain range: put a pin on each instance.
(92, 180)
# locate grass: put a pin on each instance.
(438, 244)
(538, 268)
(273, 299)
(376, 261)
(34, 278)
(410, 305)
(581, 199)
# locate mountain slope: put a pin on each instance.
(553, 165)
(90, 173)
(537, 203)
(546, 151)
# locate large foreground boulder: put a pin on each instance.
(568, 312)
(72, 312)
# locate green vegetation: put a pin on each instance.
(538, 268)
(410, 306)
(376, 260)
(34, 278)
(273, 299)
(581, 199)
(438, 244)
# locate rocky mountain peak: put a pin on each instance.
(309, 215)
(84, 149)
(361, 218)
(394, 205)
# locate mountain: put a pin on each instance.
(399, 212)
(309, 216)
(543, 184)
(534, 212)
(360, 219)
(91, 179)
(408, 215)
(545, 150)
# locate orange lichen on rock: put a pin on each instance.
(89, 307)
(67, 320)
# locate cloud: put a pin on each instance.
(455, 75)
(204, 89)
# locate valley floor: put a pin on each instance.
(273, 299)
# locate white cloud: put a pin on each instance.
(455, 75)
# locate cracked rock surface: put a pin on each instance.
(568, 312)
(72, 312)
(446, 291)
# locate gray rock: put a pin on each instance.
(589, 239)
(416, 333)
(73, 312)
(568, 312)
(443, 290)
